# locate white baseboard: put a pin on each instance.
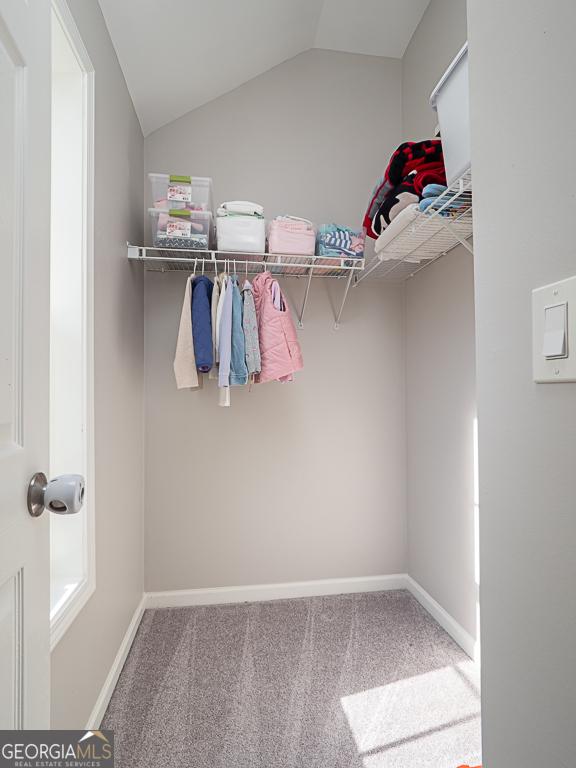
(218, 595)
(450, 625)
(114, 673)
(180, 598)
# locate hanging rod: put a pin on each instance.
(292, 265)
(286, 265)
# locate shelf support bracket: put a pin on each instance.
(306, 294)
(455, 235)
(348, 283)
(134, 251)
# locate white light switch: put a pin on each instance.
(554, 332)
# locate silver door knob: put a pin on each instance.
(63, 495)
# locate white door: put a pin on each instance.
(24, 359)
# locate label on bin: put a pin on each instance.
(180, 192)
(178, 228)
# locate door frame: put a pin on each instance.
(78, 599)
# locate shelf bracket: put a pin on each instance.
(348, 283)
(447, 225)
(306, 294)
(134, 251)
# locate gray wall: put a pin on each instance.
(440, 363)
(440, 413)
(83, 657)
(437, 39)
(296, 481)
(522, 104)
(306, 137)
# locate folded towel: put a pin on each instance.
(433, 190)
(404, 219)
(425, 203)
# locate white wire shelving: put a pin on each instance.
(403, 251)
(287, 265)
(410, 244)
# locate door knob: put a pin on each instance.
(63, 495)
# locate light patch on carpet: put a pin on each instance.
(414, 715)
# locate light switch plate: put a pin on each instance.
(554, 369)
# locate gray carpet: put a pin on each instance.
(351, 681)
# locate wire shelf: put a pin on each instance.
(402, 251)
(288, 265)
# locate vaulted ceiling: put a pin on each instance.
(179, 54)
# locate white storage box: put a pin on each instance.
(450, 99)
(172, 192)
(181, 228)
(246, 234)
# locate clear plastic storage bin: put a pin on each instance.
(173, 192)
(245, 234)
(450, 99)
(181, 228)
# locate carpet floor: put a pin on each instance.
(349, 681)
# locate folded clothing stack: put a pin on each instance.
(181, 228)
(291, 234)
(430, 194)
(412, 167)
(337, 240)
(433, 201)
(240, 226)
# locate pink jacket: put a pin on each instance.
(279, 348)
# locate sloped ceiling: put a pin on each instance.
(179, 54)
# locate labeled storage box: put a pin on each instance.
(450, 99)
(245, 234)
(181, 228)
(173, 192)
(292, 235)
